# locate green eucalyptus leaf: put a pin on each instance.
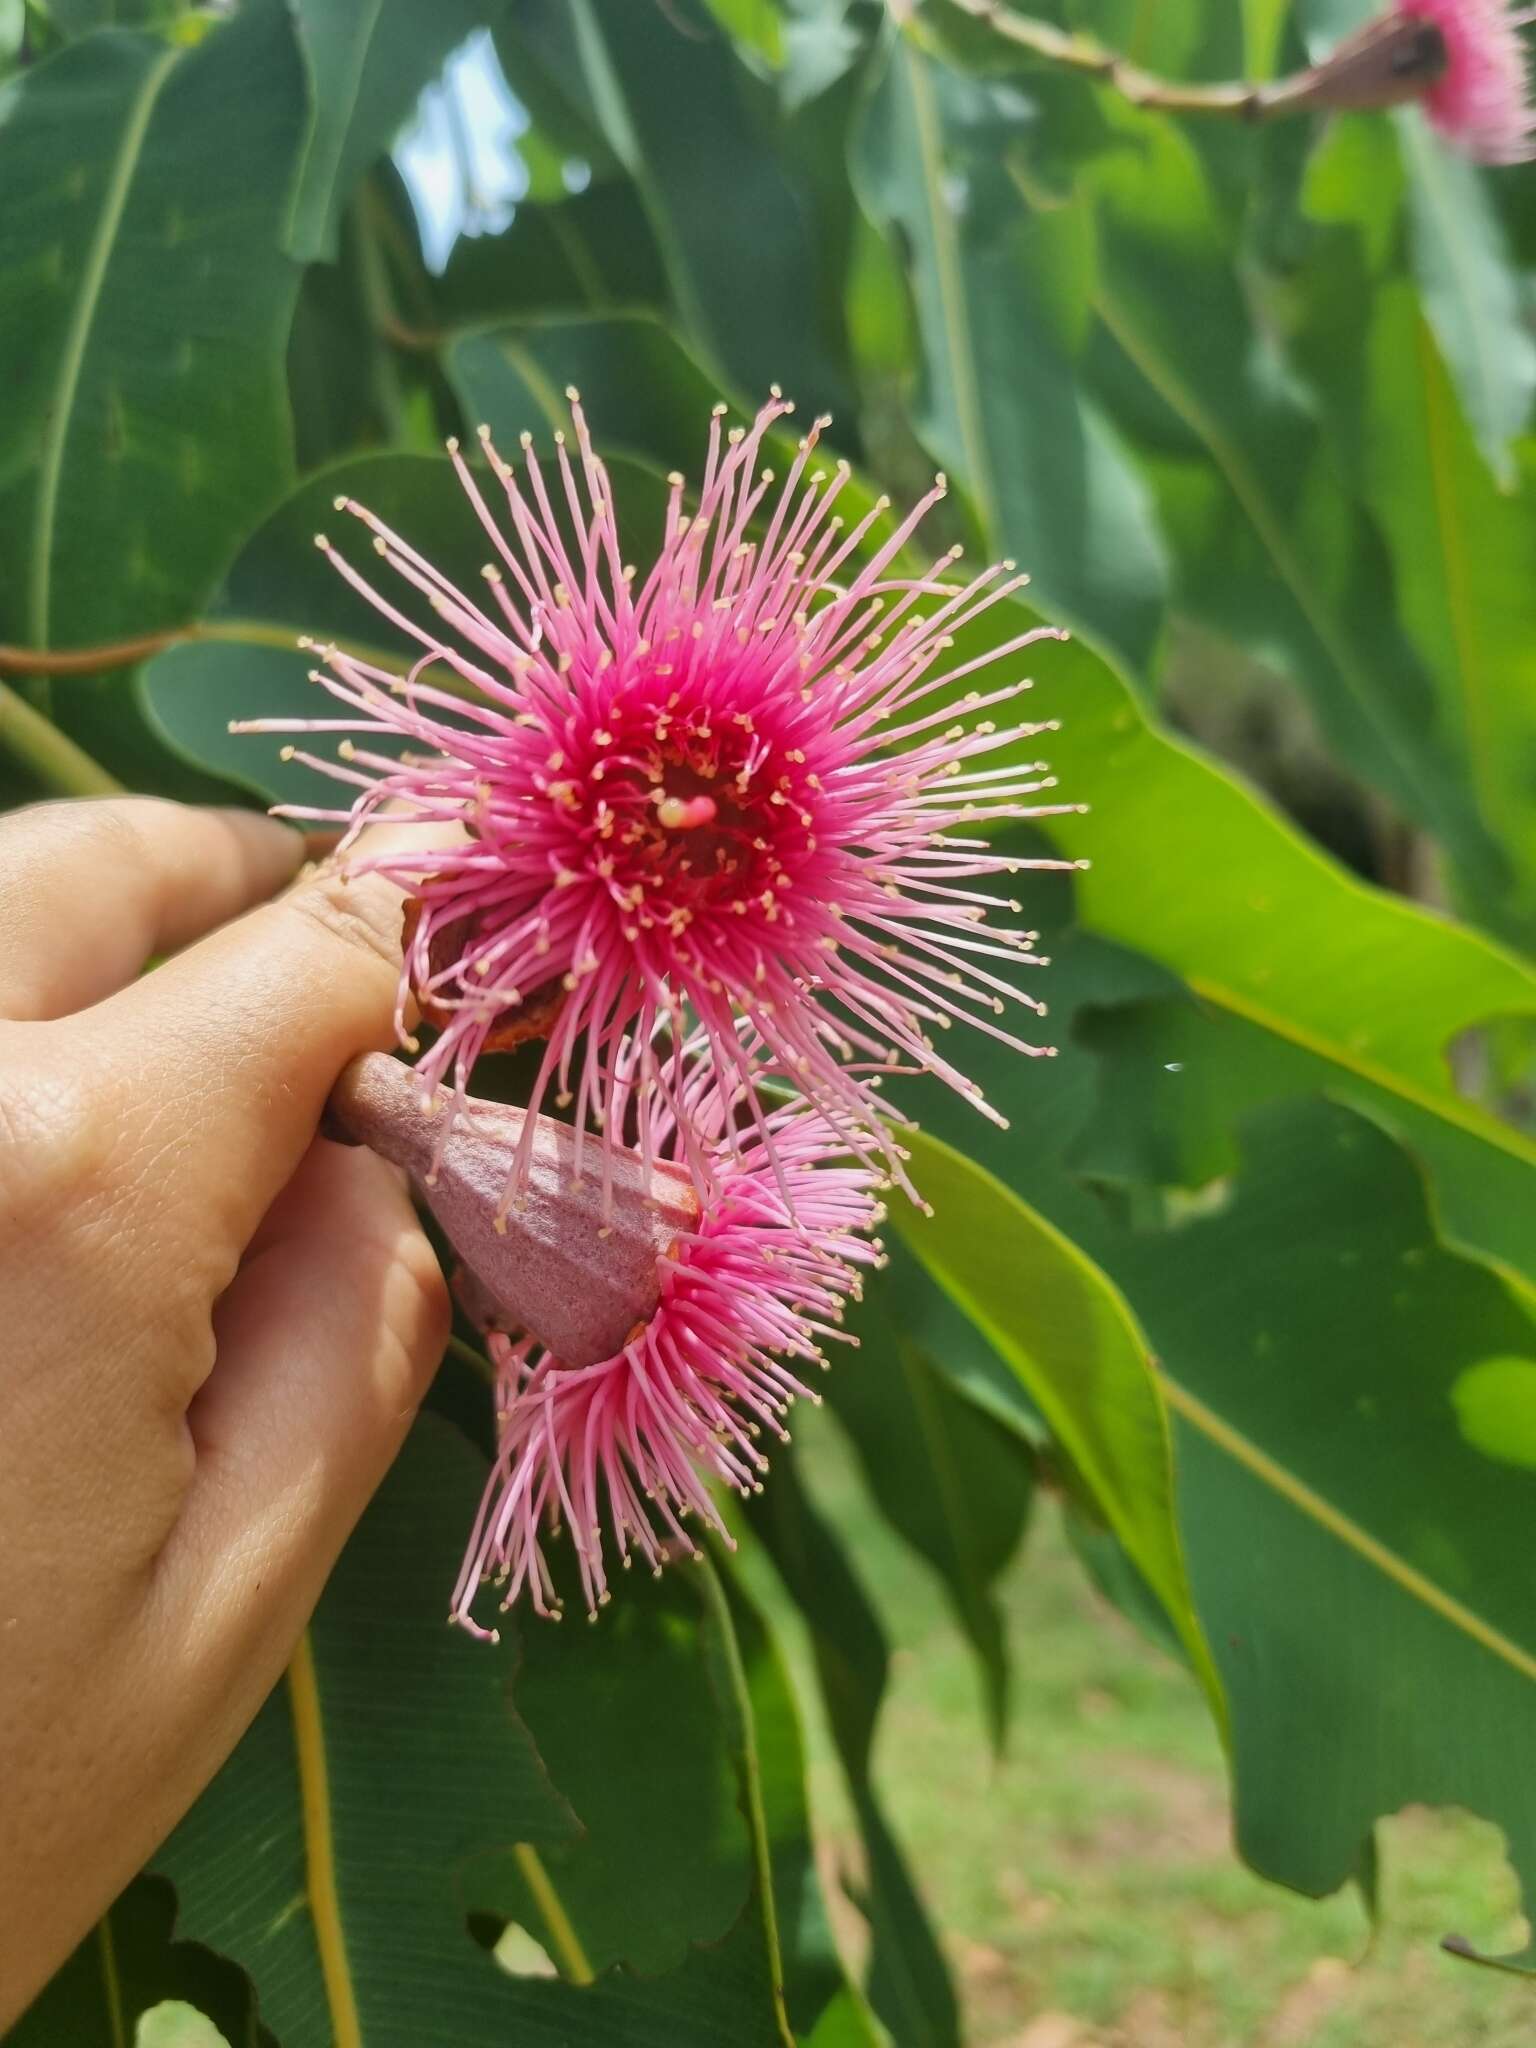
(755, 26)
(1355, 1407)
(128, 1966)
(821, 45)
(663, 1860)
(1461, 264)
(689, 123)
(1002, 291)
(1191, 869)
(1064, 1328)
(1177, 1078)
(245, 662)
(589, 253)
(642, 393)
(1463, 550)
(1343, 1386)
(314, 1860)
(1263, 30)
(847, 2023)
(1470, 293)
(1272, 549)
(343, 1884)
(143, 328)
(646, 396)
(175, 2024)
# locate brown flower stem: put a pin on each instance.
(61, 766)
(84, 661)
(1389, 61)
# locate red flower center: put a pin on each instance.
(683, 809)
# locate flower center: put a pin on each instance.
(688, 809)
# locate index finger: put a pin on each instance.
(89, 890)
(230, 1050)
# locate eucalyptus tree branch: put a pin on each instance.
(1389, 61)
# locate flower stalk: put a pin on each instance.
(1461, 58)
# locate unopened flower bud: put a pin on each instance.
(573, 1261)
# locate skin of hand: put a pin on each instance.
(216, 1325)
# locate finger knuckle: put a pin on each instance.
(363, 916)
(108, 829)
(58, 1135)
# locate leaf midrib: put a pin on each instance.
(951, 292)
(303, 201)
(750, 1764)
(320, 1846)
(1448, 1108)
(1268, 529)
(1341, 1526)
(111, 1981)
(1459, 610)
(77, 338)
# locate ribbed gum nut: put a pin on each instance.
(576, 1274)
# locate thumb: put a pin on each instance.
(326, 1341)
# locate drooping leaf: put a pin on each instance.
(907, 1981)
(688, 121)
(1064, 1328)
(367, 60)
(1002, 292)
(143, 327)
(1463, 549)
(951, 1481)
(663, 1861)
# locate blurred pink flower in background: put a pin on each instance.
(1481, 100)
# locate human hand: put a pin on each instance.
(216, 1327)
